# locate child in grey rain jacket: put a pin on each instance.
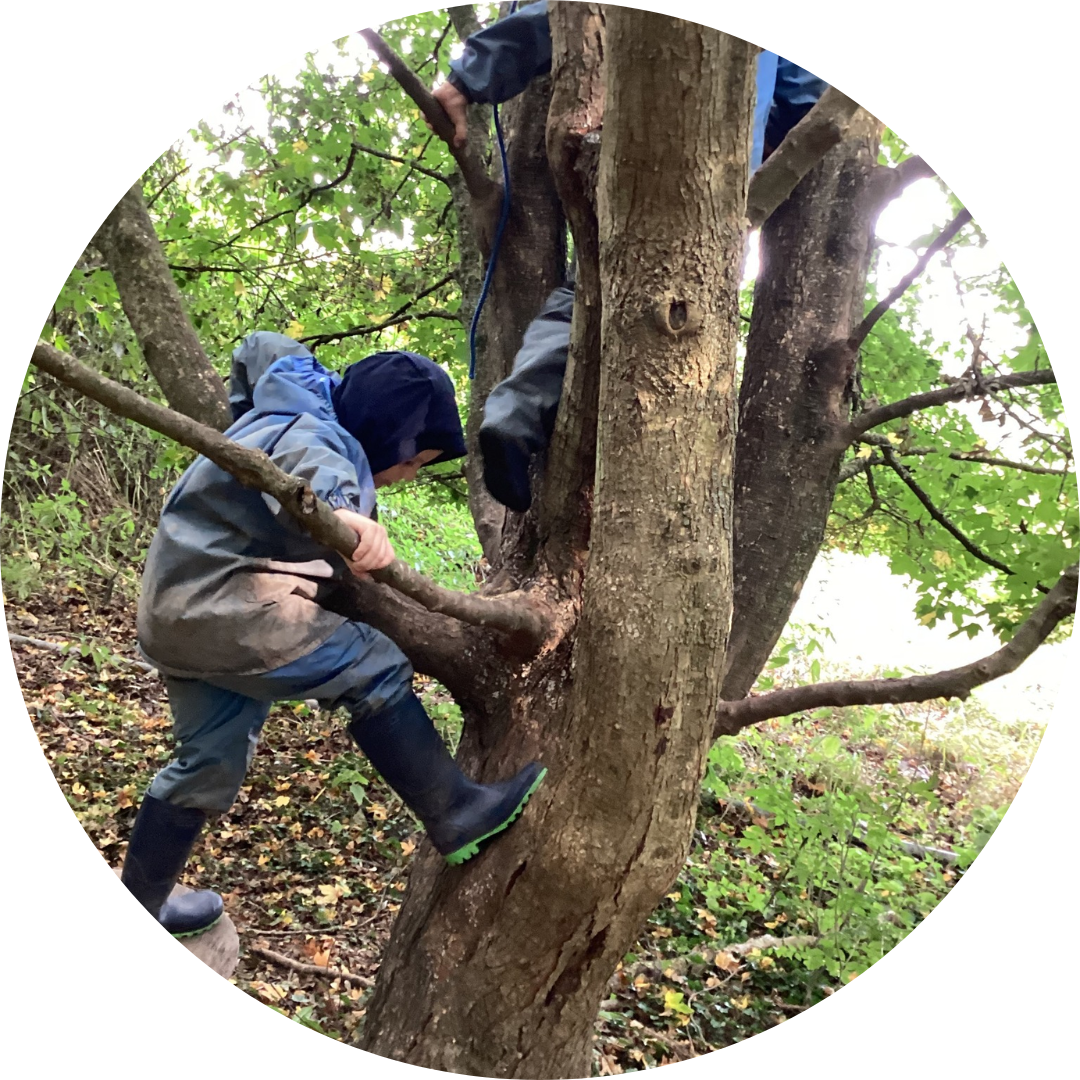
(230, 611)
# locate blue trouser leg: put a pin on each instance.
(217, 720)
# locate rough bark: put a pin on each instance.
(531, 262)
(575, 120)
(794, 402)
(498, 968)
(153, 306)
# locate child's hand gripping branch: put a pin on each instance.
(230, 610)
(373, 550)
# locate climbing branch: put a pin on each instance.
(515, 616)
(479, 185)
(803, 147)
(1058, 604)
(957, 390)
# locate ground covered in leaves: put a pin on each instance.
(820, 841)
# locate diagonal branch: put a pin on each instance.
(969, 546)
(516, 616)
(1056, 606)
(879, 309)
(391, 320)
(433, 173)
(955, 391)
(804, 146)
(479, 185)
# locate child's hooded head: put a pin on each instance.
(398, 405)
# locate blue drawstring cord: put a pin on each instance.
(504, 216)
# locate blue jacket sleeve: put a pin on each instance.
(797, 92)
(503, 58)
(317, 452)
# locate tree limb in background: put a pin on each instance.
(957, 390)
(902, 286)
(391, 320)
(515, 616)
(480, 186)
(981, 457)
(803, 147)
(433, 173)
(152, 303)
(889, 458)
(1058, 604)
(463, 16)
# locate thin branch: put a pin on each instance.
(905, 475)
(957, 390)
(311, 969)
(863, 329)
(804, 146)
(518, 616)
(72, 649)
(477, 182)
(856, 466)
(1058, 604)
(433, 173)
(391, 320)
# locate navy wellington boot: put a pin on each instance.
(519, 414)
(161, 841)
(458, 814)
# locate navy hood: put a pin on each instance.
(398, 404)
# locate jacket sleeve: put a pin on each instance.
(797, 92)
(503, 58)
(316, 452)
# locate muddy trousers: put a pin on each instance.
(217, 720)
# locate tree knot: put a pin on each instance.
(676, 316)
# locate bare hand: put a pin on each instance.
(454, 104)
(373, 552)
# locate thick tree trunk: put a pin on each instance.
(153, 306)
(497, 968)
(794, 401)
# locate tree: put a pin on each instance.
(637, 569)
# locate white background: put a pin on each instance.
(94, 92)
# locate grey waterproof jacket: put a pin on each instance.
(231, 580)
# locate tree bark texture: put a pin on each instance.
(531, 262)
(497, 968)
(794, 401)
(153, 306)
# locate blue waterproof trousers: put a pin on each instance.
(217, 720)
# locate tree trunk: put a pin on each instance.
(153, 306)
(794, 400)
(531, 261)
(498, 968)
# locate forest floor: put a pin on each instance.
(312, 860)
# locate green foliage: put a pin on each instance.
(1021, 513)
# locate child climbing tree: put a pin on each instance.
(632, 608)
